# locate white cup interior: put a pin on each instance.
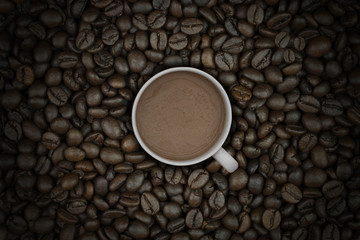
(218, 143)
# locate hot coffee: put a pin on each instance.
(180, 115)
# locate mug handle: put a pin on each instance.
(226, 160)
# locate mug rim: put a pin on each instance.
(215, 147)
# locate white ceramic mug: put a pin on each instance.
(216, 151)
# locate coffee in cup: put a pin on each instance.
(181, 116)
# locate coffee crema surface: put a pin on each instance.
(180, 115)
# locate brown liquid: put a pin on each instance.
(180, 115)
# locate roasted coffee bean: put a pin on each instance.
(308, 104)
(178, 41)
(111, 127)
(25, 74)
(53, 77)
(138, 229)
(67, 60)
(114, 9)
(289, 57)
(336, 206)
(50, 140)
(318, 46)
(13, 130)
(332, 189)
(149, 203)
(74, 154)
(195, 198)
(276, 101)
(129, 199)
(331, 107)
(74, 137)
(344, 171)
(142, 40)
(136, 61)
(313, 66)
(291, 193)
(194, 219)
(44, 225)
(110, 34)
(353, 200)
(139, 21)
(57, 96)
(173, 175)
(129, 144)
(172, 210)
(315, 177)
(161, 4)
(241, 93)
(255, 14)
(331, 231)
(85, 39)
(224, 61)
(11, 99)
(311, 122)
(69, 181)
(156, 19)
(299, 43)
(173, 190)
(58, 194)
(233, 45)
(176, 225)
(353, 113)
(261, 59)
(217, 200)
(262, 90)
(238, 180)
(76, 205)
(103, 59)
(134, 181)
(273, 75)
(271, 219)
(191, 26)
(256, 183)
(16, 224)
(264, 43)
(67, 232)
(319, 157)
(282, 39)
(278, 21)
(111, 155)
(230, 25)
(245, 28)
(244, 222)
(307, 142)
(158, 40)
(198, 178)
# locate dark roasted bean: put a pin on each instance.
(241, 93)
(255, 14)
(191, 26)
(261, 59)
(278, 21)
(291, 193)
(271, 219)
(178, 41)
(149, 203)
(198, 178)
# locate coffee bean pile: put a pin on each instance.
(71, 167)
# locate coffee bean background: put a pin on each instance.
(71, 167)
